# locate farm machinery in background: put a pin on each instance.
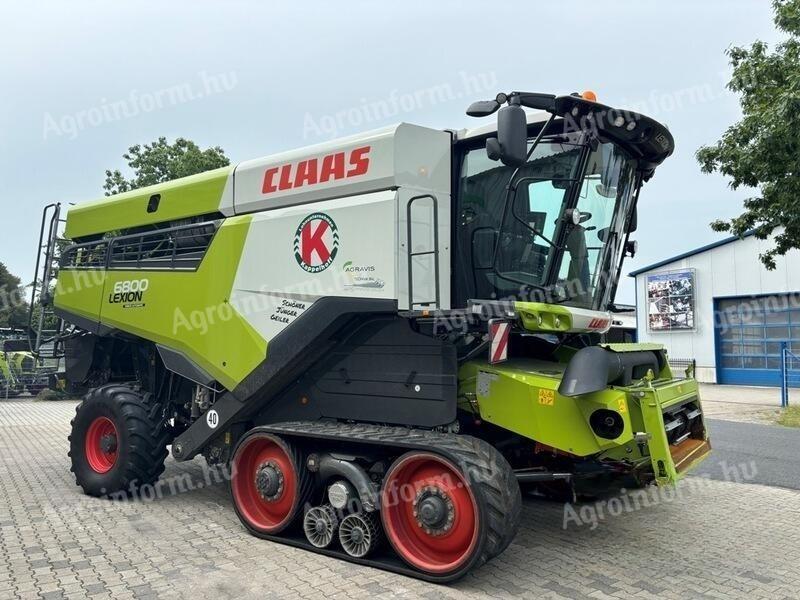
(21, 370)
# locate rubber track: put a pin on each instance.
(483, 466)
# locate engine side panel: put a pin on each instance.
(294, 256)
(385, 372)
(189, 311)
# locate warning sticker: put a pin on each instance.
(547, 397)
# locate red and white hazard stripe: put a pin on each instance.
(499, 331)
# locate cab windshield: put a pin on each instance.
(560, 235)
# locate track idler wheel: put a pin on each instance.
(320, 525)
(269, 483)
(359, 534)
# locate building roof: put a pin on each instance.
(700, 250)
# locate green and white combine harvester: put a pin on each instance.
(386, 336)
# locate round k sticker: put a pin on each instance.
(316, 242)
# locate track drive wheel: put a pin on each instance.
(441, 520)
(118, 441)
(269, 483)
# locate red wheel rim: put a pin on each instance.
(101, 445)
(265, 514)
(440, 549)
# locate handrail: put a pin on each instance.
(434, 252)
(52, 234)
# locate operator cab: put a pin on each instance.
(551, 223)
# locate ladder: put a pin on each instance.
(46, 343)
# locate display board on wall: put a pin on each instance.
(671, 301)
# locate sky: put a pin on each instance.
(81, 81)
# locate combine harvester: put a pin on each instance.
(386, 335)
(28, 371)
(10, 385)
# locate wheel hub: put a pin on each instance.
(269, 481)
(108, 443)
(434, 510)
(320, 526)
(357, 535)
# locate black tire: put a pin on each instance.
(491, 474)
(142, 436)
(496, 495)
(245, 500)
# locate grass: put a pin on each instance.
(789, 417)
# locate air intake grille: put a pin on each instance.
(175, 248)
(180, 248)
(85, 256)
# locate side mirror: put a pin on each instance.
(483, 108)
(511, 143)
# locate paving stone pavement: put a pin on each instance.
(715, 540)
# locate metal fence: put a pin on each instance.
(790, 372)
(679, 366)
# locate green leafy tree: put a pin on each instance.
(13, 304)
(762, 150)
(161, 161)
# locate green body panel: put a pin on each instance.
(651, 400)
(521, 395)
(5, 368)
(18, 360)
(632, 347)
(187, 311)
(538, 316)
(180, 198)
(80, 292)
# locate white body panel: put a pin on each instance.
(365, 252)
(589, 320)
(367, 208)
(398, 156)
(271, 288)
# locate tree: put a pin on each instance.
(762, 150)
(161, 161)
(13, 304)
